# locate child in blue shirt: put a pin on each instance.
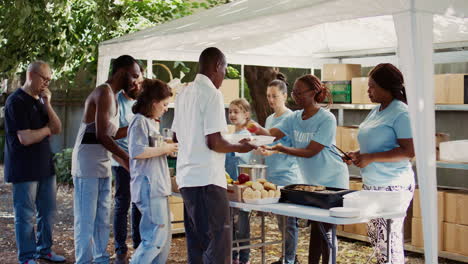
(239, 115)
(312, 131)
(386, 147)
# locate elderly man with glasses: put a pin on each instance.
(30, 120)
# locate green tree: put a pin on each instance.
(67, 33)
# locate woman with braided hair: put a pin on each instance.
(386, 147)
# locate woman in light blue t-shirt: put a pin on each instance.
(312, 131)
(282, 169)
(386, 147)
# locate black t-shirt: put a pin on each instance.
(26, 163)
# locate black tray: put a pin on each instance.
(317, 198)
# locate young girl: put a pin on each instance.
(239, 115)
(150, 183)
(312, 131)
(282, 169)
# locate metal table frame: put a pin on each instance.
(310, 213)
(303, 212)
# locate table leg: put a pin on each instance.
(389, 242)
(232, 230)
(263, 238)
(333, 244)
(283, 233)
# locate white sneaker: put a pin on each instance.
(30, 261)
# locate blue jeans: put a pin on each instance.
(291, 237)
(241, 231)
(155, 228)
(92, 206)
(29, 199)
(122, 203)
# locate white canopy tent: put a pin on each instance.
(309, 33)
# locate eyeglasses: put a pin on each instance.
(43, 78)
(299, 94)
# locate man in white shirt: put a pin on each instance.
(199, 119)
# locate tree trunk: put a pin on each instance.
(258, 78)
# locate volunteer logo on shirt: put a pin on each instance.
(303, 137)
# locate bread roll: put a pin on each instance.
(257, 186)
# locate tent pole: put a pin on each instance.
(242, 81)
(415, 39)
(149, 69)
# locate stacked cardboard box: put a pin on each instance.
(346, 138)
(176, 206)
(359, 88)
(456, 222)
(234, 192)
(451, 88)
(340, 72)
(417, 230)
(230, 90)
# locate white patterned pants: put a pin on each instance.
(377, 230)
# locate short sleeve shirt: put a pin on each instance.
(155, 169)
(26, 163)
(282, 169)
(325, 168)
(198, 112)
(234, 158)
(380, 132)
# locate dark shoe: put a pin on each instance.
(121, 259)
(52, 257)
(280, 261)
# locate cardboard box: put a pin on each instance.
(355, 185)
(455, 207)
(440, 205)
(177, 214)
(451, 88)
(230, 90)
(174, 186)
(456, 238)
(175, 199)
(359, 229)
(359, 87)
(417, 233)
(348, 138)
(234, 192)
(340, 72)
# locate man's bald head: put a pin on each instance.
(210, 57)
(212, 63)
(38, 77)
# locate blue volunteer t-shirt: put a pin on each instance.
(379, 133)
(233, 158)
(126, 115)
(282, 169)
(325, 168)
